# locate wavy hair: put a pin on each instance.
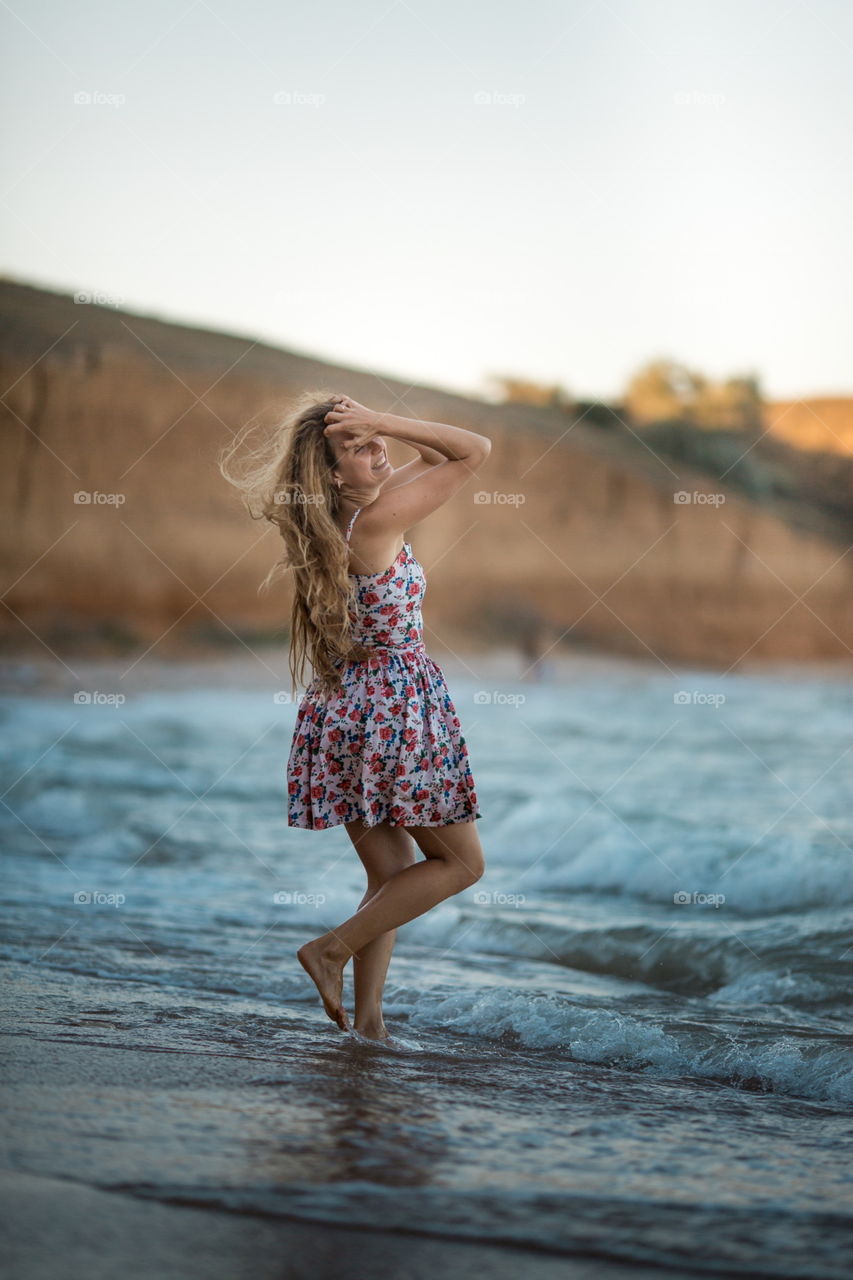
(286, 478)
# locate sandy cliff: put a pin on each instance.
(578, 535)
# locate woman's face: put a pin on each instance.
(363, 468)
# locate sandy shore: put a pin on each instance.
(261, 669)
(57, 1228)
(54, 1228)
(59, 1223)
(268, 669)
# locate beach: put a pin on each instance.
(625, 1051)
(76, 1221)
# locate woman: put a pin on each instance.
(377, 743)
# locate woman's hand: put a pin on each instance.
(351, 423)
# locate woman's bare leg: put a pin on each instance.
(453, 860)
(370, 969)
(384, 851)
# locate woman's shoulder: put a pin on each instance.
(376, 526)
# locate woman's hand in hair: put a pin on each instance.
(351, 423)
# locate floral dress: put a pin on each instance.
(388, 746)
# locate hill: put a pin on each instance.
(572, 534)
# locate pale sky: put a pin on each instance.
(644, 178)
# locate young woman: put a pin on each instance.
(377, 743)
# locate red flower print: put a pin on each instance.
(353, 751)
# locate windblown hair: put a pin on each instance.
(286, 478)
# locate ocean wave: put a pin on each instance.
(757, 872)
(820, 1069)
(754, 961)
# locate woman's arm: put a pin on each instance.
(409, 471)
(454, 443)
(351, 419)
(399, 507)
(427, 457)
(431, 457)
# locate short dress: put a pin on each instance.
(388, 746)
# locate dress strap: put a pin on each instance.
(352, 522)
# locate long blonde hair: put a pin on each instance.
(287, 479)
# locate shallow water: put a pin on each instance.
(631, 1038)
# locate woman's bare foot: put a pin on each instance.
(372, 1030)
(327, 974)
(386, 1043)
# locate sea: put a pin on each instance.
(630, 1040)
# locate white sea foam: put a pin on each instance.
(819, 1071)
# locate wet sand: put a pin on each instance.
(57, 1223)
(59, 1228)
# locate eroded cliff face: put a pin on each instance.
(662, 565)
(571, 533)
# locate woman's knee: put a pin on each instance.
(471, 869)
(458, 847)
